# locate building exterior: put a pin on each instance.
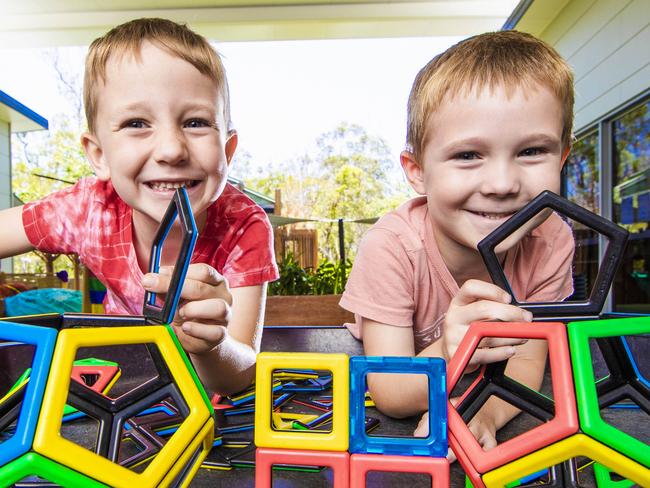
(14, 117)
(606, 44)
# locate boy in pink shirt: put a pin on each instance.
(157, 108)
(489, 128)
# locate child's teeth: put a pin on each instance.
(494, 216)
(170, 185)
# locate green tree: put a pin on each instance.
(47, 161)
(351, 176)
(47, 164)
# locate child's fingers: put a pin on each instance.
(199, 290)
(474, 290)
(200, 272)
(500, 341)
(489, 310)
(422, 429)
(451, 456)
(487, 441)
(482, 433)
(210, 333)
(153, 283)
(494, 349)
(193, 289)
(213, 310)
(491, 355)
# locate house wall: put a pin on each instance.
(5, 179)
(606, 43)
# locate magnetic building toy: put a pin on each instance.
(571, 423)
(31, 417)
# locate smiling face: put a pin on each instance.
(159, 125)
(486, 155)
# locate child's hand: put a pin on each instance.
(484, 431)
(422, 430)
(477, 300)
(480, 426)
(204, 310)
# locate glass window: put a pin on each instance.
(631, 206)
(581, 185)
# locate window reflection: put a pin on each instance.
(581, 180)
(631, 207)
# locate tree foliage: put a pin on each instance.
(350, 176)
(47, 161)
(632, 141)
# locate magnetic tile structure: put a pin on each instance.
(571, 421)
(155, 433)
(346, 448)
(435, 444)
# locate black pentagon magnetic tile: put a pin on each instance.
(560, 310)
(179, 206)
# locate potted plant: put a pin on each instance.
(307, 296)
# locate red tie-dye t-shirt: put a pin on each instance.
(91, 220)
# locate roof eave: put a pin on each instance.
(20, 117)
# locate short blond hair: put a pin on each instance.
(127, 38)
(507, 58)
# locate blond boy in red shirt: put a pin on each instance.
(157, 107)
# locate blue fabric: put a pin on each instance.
(43, 300)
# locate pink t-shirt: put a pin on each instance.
(399, 277)
(91, 220)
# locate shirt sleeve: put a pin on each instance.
(555, 279)
(251, 260)
(381, 286)
(52, 224)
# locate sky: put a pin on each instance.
(284, 94)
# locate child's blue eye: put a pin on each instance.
(466, 155)
(134, 124)
(532, 151)
(197, 123)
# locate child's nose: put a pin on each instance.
(501, 178)
(170, 146)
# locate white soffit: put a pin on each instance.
(36, 23)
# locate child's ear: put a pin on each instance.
(565, 155)
(413, 171)
(231, 145)
(95, 155)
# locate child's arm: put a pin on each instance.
(219, 327)
(230, 366)
(14, 240)
(400, 395)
